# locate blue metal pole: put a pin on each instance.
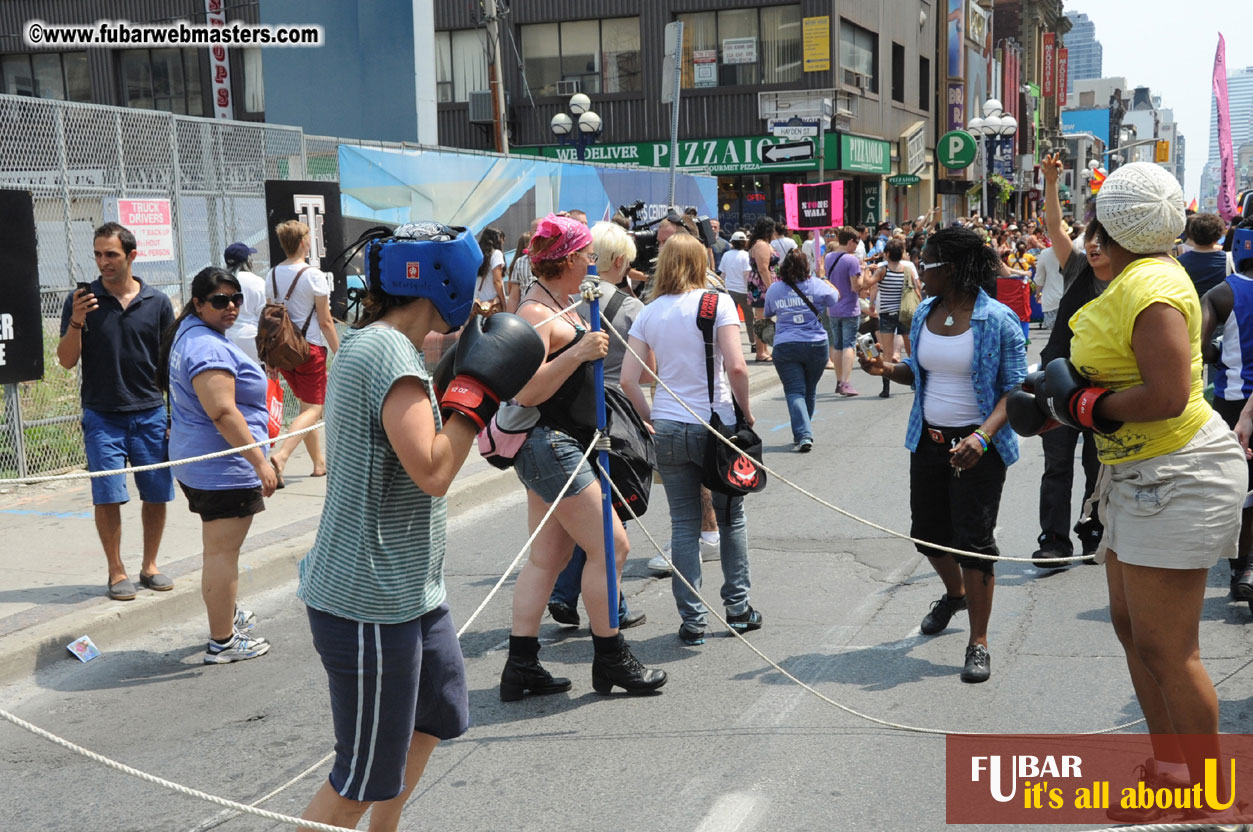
(606, 492)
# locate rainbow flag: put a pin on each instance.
(1192, 205)
(1098, 179)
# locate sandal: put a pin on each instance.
(278, 475)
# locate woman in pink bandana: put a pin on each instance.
(563, 390)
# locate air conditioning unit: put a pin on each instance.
(481, 107)
(854, 79)
(569, 87)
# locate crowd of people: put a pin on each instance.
(1133, 303)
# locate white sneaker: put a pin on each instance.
(710, 551)
(245, 620)
(658, 564)
(242, 647)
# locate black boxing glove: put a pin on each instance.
(1073, 401)
(495, 358)
(442, 377)
(1028, 414)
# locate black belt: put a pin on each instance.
(945, 436)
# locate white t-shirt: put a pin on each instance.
(243, 333)
(313, 284)
(485, 289)
(668, 325)
(782, 246)
(1048, 276)
(861, 251)
(807, 248)
(735, 266)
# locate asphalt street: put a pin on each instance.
(729, 745)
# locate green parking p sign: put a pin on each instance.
(956, 149)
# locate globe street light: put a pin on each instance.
(589, 125)
(995, 125)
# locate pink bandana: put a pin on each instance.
(573, 235)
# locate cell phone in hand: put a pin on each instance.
(83, 287)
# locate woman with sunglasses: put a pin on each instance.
(968, 356)
(217, 401)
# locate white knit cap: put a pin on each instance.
(1140, 206)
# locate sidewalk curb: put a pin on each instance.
(271, 561)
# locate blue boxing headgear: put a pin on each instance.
(1241, 246)
(427, 260)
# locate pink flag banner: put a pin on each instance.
(814, 206)
(1226, 155)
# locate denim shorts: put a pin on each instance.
(547, 459)
(116, 440)
(388, 681)
(890, 323)
(841, 332)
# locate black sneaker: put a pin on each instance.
(692, 636)
(941, 612)
(978, 664)
(1242, 583)
(1090, 534)
(746, 621)
(1051, 548)
(634, 619)
(563, 613)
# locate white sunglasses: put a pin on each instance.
(926, 267)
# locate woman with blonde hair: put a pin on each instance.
(667, 331)
(563, 390)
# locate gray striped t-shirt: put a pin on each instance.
(379, 552)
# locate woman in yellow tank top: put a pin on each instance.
(1174, 476)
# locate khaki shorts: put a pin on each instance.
(1176, 511)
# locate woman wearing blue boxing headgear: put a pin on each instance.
(373, 581)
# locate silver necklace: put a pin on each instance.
(948, 321)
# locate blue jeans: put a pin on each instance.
(570, 582)
(681, 461)
(800, 366)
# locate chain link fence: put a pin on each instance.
(77, 160)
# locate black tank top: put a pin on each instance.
(572, 409)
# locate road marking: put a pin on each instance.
(64, 515)
(731, 813)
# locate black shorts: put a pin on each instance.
(1230, 411)
(948, 510)
(223, 504)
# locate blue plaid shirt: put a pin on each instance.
(1000, 365)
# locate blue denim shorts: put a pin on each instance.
(890, 323)
(842, 332)
(388, 681)
(116, 440)
(547, 459)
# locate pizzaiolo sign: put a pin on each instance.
(725, 156)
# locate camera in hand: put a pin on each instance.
(866, 346)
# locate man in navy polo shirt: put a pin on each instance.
(116, 328)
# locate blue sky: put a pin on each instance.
(1169, 46)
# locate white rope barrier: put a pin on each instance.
(159, 781)
(815, 497)
(156, 466)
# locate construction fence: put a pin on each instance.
(78, 160)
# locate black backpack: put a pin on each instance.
(632, 456)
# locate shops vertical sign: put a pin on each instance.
(219, 63)
(1063, 71)
(1050, 65)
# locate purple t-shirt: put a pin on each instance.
(841, 267)
(795, 322)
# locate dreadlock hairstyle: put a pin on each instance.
(975, 265)
(795, 268)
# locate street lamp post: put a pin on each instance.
(588, 125)
(994, 125)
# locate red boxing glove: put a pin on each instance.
(471, 398)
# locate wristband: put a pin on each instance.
(471, 398)
(982, 442)
(77, 325)
(983, 434)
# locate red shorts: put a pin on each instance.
(308, 381)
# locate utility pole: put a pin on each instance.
(495, 76)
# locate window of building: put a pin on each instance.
(60, 75)
(162, 79)
(1087, 99)
(747, 46)
(924, 84)
(254, 84)
(898, 73)
(600, 55)
(460, 64)
(859, 56)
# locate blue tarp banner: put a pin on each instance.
(477, 190)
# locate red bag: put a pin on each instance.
(274, 404)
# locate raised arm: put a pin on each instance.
(1052, 169)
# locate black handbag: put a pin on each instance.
(727, 471)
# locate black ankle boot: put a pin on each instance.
(887, 388)
(525, 673)
(617, 665)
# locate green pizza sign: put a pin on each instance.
(956, 149)
(904, 180)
